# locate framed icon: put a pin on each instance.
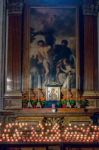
(52, 93)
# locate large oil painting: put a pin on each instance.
(53, 46)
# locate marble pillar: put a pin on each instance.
(1, 51)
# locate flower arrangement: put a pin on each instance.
(72, 102)
(25, 99)
(42, 100)
(64, 101)
(33, 101)
(30, 100)
(83, 103)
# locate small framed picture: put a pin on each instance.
(53, 93)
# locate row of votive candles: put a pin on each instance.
(46, 132)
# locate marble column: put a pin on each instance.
(98, 56)
(98, 48)
(90, 11)
(90, 46)
(2, 20)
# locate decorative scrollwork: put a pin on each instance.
(52, 121)
(15, 7)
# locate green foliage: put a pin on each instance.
(84, 103)
(72, 102)
(59, 104)
(63, 102)
(43, 102)
(25, 101)
(33, 102)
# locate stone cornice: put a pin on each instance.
(91, 8)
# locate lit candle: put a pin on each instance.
(38, 93)
(29, 103)
(30, 80)
(76, 94)
(78, 82)
(67, 94)
(68, 82)
(39, 81)
(39, 84)
(53, 106)
(29, 86)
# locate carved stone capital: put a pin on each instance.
(15, 7)
(91, 8)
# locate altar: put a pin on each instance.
(49, 73)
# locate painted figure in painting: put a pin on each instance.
(53, 95)
(34, 71)
(63, 51)
(70, 74)
(43, 58)
(67, 52)
(65, 64)
(53, 46)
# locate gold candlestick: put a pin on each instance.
(29, 103)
